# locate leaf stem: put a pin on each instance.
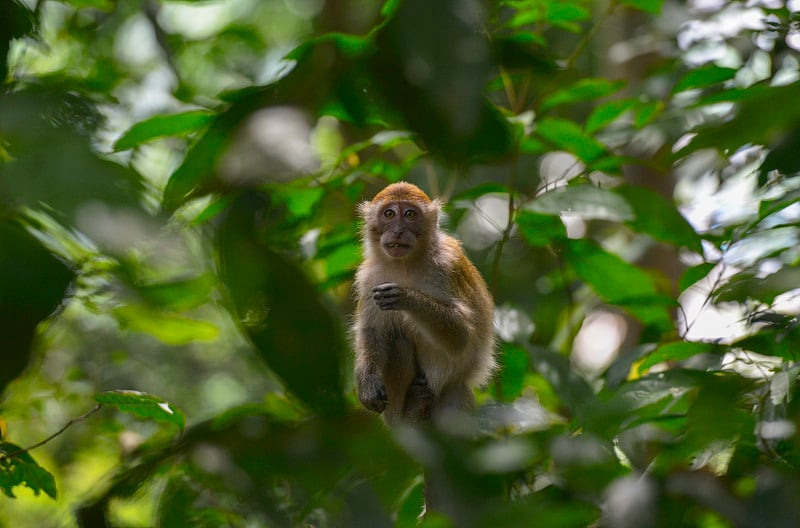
(69, 424)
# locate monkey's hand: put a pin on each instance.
(372, 394)
(390, 296)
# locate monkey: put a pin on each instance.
(423, 327)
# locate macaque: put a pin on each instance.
(423, 327)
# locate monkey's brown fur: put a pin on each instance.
(423, 329)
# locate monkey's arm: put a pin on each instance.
(449, 322)
(369, 385)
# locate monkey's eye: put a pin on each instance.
(389, 213)
(410, 214)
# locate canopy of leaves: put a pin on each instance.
(178, 239)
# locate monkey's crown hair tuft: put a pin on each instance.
(402, 191)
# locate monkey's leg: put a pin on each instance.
(419, 399)
(398, 374)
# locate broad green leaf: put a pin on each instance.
(763, 115)
(584, 201)
(704, 76)
(581, 91)
(676, 351)
(444, 103)
(162, 126)
(618, 282)
(467, 196)
(714, 416)
(694, 274)
(620, 369)
(102, 5)
(647, 112)
(575, 393)
(782, 157)
(515, 365)
(299, 200)
(327, 68)
(650, 6)
(770, 207)
(269, 292)
(411, 503)
(54, 165)
(344, 258)
(18, 468)
(170, 328)
(568, 136)
(178, 295)
(565, 15)
(541, 229)
(142, 405)
(523, 50)
(744, 286)
(658, 217)
(772, 342)
(606, 113)
(653, 311)
(32, 285)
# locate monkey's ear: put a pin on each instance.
(434, 210)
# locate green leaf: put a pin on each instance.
(22, 470)
(523, 50)
(584, 201)
(102, 5)
(649, 6)
(659, 218)
(565, 15)
(411, 503)
(299, 200)
(606, 113)
(694, 274)
(764, 114)
(142, 405)
(703, 77)
(541, 230)
(466, 197)
(619, 282)
(170, 328)
(515, 364)
(269, 292)
(772, 342)
(575, 393)
(178, 295)
(769, 207)
(782, 157)
(676, 351)
(442, 99)
(744, 286)
(32, 285)
(581, 91)
(162, 126)
(72, 175)
(647, 112)
(568, 136)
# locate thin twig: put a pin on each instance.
(509, 224)
(57, 433)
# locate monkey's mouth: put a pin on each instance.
(396, 249)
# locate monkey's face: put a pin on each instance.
(400, 224)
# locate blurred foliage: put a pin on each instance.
(178, 184)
